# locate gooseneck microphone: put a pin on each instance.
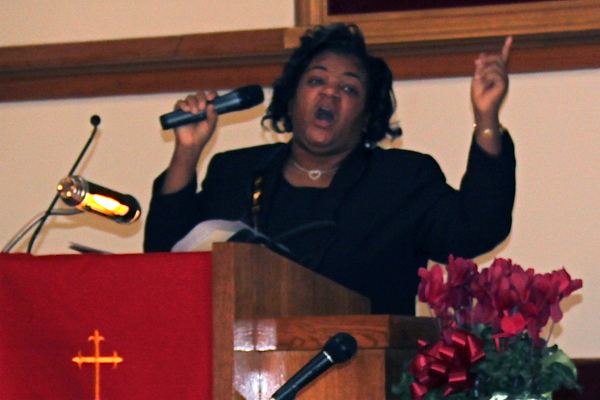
(95, 121)
(236, 100)
(339, 348)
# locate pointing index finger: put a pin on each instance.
(506, 49)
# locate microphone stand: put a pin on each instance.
(95, 121)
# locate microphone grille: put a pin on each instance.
(251, 95)
(95, 120)
(341, 347)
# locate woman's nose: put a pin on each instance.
(331, 90)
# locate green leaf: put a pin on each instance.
(559, 356)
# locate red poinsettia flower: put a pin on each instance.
(499, 295)
(461, 273)
(547, 292)
(513, 324)
(432, 289)
(508, 298)
(503, 286)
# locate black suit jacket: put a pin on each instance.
(384, 215)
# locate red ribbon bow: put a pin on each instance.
(446, 363)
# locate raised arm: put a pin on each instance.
(190, 141)
(488, 90)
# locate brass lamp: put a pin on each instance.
(87, 196)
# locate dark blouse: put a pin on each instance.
(292, 207)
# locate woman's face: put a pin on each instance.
(328, 111)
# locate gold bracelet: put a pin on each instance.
(488, 131)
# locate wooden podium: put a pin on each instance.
(242, 312)
(271, 316)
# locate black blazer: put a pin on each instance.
(384, 215)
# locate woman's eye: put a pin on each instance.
(350, 89)
(315, 81)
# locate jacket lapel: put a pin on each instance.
(265, 179)
(349, 174)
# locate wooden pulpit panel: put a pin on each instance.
(252, 282)
(267, 285)
(311, 332)
(269, 351)
(369, 375)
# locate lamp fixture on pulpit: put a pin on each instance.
(77, 192)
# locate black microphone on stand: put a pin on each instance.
(95, 121)
(340, 348)
(236, 100)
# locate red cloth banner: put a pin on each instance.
(151, 311)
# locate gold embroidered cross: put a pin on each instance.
(97, 360)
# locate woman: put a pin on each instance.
(365, 217)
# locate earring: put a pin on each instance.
(367, 143)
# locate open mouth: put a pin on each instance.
(324, 114)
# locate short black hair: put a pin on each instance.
(343, 39)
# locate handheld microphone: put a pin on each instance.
(236, 100)
(339, 348)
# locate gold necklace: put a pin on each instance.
(314, 174)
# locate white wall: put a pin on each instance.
(554, 119)
(38, 21)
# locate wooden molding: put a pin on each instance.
(141, 66)
(310, 12)
(549, 36)
(529, 18)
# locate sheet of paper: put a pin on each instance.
(208, 232)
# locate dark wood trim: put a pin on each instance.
(530, 18)
(231, 59)
(141, 66)
(135, 53)
(455, 58)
